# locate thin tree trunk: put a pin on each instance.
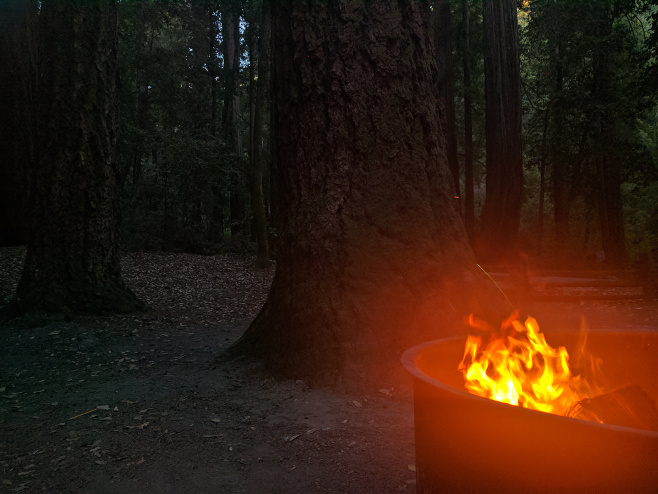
(446, 90)
(469, 193)
(231, 112)
(542, 185)
(613, 239)
(141, 101)
(561, 181)
(258, 162)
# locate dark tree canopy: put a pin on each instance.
(372, 252)
(72, 256)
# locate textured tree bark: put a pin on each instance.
(72, 258)
(469, 193)
(446, 90)
(372, 253)
(258, 160)
(231, 112)
(501, 213)
(18, 79)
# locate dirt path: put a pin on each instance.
(138, 404)
(163, 417)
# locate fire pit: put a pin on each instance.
(469, 443)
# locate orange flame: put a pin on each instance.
(519, 367)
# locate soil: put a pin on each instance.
(140, 403)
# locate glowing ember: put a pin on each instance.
(517, 366)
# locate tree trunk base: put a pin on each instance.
(76, 300)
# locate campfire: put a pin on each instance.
(516, 365)
(531, 436)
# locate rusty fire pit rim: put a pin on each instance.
(408, 360)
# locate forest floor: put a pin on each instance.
(139, 403)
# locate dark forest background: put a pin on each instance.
(195, 152)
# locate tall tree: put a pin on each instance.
(231, 112)
(257, 154)
(501, 213)
(72, 254)
(372, 251)
(446, 88)
(18, 56)
(613, 241)
(469, 192)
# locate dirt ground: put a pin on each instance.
(139, 403)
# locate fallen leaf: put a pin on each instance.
(412, 467)
(216, 420)
(103, 407)
(357, 404)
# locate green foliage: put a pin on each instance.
(565, 103)
(641, 215)
(180, 173)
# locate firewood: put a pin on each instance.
(629, 406)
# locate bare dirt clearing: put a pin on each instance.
(138, 403)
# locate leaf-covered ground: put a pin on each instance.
(139, 403)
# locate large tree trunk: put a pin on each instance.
(18, 79)
(501, 214)
(72, 255)
(372, 251)
(446, 89)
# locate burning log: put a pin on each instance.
(468, 444)
(629, 406)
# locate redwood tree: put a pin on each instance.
(501, 213)
(372, 251)
(446, 88)
(17, 105)
(72, 254)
